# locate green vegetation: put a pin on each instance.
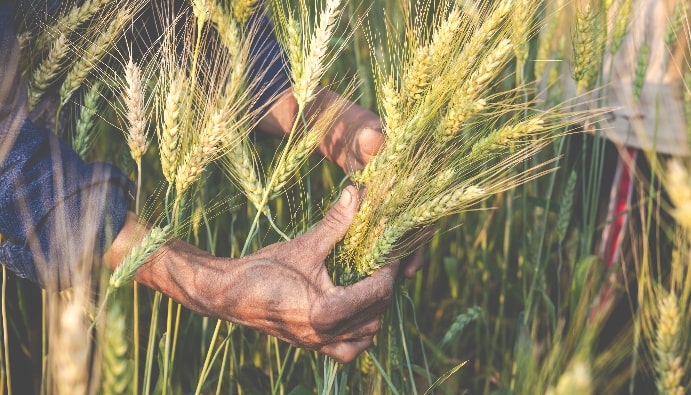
(482, 105)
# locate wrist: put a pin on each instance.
(189, 275)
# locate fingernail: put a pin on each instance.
(346, 197)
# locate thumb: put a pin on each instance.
(336, 222)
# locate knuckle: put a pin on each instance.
(384, 293)
(336, 219)
(324, 320)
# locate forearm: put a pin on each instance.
(283, 289)
(187, 274)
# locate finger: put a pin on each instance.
(369, 297)
(335, 224)
(359, 331)
(347, 351)
(367, 143)
(413, 263)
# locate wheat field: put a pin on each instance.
(493, 115)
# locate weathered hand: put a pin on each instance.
(414, 251)
(354, 138)
(285, 290)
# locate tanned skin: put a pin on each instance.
(284, 289)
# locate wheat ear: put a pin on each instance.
(676, 22)
(117, 372)
(89, 59)
(587, 41)
(70, 353)
(243, 9)
(204, 150)
(137, 138)
(84, 135)
(47, 70)
(306, 144)
(227, 28)
(508, 136)
(124, 273)
(306, 76)
(485, 33)
(169, 135)
(240, 164)
(429, 212)
(428, 59)
(466, 102)
(521, 21)
(667, 348)
(69, 22)
(679, 190)
(621, 25)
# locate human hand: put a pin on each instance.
(351, 142)
(411, 250)
(285, 290)
(355, 137)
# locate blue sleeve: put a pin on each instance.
(269, 69)
(57, 213)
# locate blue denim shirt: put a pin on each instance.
(55, 209)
